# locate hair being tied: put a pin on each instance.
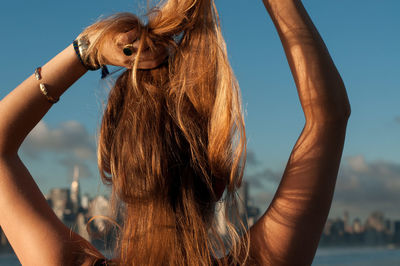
(172, 139)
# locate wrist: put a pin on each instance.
(278, 6)
(81, 46)
(290, 18)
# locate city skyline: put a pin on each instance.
(76, 210)
(92, 217)
(376, 230)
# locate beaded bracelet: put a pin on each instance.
(43, 88)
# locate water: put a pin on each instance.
(350, 256)
(324, 257)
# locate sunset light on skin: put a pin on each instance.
(361, 36)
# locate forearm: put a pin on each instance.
(25, 106)
(320, 87)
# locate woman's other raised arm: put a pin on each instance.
(289, 231)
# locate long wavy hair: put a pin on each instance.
(172, 139)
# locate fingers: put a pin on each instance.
(148, 59)
(125, 38)
(114, 54)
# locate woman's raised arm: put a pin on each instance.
(32, 228)
(289, 232)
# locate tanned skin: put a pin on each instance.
(288, 232)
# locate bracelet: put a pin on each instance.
(43, 88)
(80, 46)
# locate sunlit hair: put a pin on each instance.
(171, 136)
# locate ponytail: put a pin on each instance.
(172, 139)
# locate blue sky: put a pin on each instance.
(362, 37)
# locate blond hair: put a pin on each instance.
(169, 135)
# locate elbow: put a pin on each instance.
(7, 149)
(6, 153)
(343, 113)
(339, 109)
(346, 108)
(332, 113)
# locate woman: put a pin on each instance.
(172, 141)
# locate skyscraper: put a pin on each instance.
(60, 202)
(75, 192)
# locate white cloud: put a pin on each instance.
(362, 187)
(365, 186)
(69, 137)
(358, 164)
(69, 145)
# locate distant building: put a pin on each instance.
(66, 203)
(376, 221)
(60, 202)
(85, 200)
(101, 229)
(347, 226)
(358, 228)
(396, 237)
(75, 192)
(377, 231)
(389, 228)
(374, 233)
(99, 208)
(246, 211)
(81, 226)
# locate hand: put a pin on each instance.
(112, 52)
